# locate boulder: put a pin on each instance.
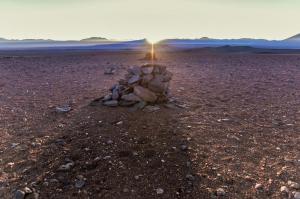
(131, 97)
(135, 70)
(145, 94)
(134, 79)
(157, 85)
(115, 94)
(147, 69)
(146, 79)
(127, 103)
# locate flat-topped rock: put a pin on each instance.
(145, 94)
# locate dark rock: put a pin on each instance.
(109, 71)
(135, 70)
(111, 103)
(134, 79)
(79, 184)
(63, 109)
(115, 94)
(127, 103)
(19, 194)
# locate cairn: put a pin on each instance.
(148, 84)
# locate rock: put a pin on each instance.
(159, 69)
(296, 195)
(27, 190)
(258, 186)
(159, 191)
(106, 157)
(134, 79)
(107, 97)
(293, 185)
(146, 79)
(19, 194)
(109, 142)
(221, 192)
(126, 103)
(184, 147)
(157, 85)
(109, 71)
(284, 189)
(115, 94)
(53, 180)
(63, 109)
(168, 76)
(145, 94)
(151, 109)
(147, 69)
(125, 190)
(119, 123)
(111, 103)
(66, 167)
(135, 70)
(138, 106)
(79, 184)
(131, 97)
(190, 177)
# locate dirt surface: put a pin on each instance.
(240, 122)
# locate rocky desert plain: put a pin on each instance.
(230, 128)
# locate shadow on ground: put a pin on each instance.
(115, 153)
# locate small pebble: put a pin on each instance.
(125, 190)
(220, 192)
(119, 123)
(106, 157)
(79, 184)
(190, 177)
(184, 147)
(258, 186)
(109, 142)
(159, 191)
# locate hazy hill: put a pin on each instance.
(94, 39)
(294, 38)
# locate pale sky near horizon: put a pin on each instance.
(152, 19)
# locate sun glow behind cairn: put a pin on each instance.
(152, 43)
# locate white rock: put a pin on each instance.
(284, 189)
(258, 186)
(220, 192)
(293, 185)
(159, 191)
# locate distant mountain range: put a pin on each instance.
(103, 39)
(101, 43)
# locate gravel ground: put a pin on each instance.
(236, 134)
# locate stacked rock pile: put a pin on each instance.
(146, 84)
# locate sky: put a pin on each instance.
(151, 19)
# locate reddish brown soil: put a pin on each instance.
(241, 124)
